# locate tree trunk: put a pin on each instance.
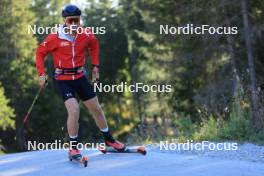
(255, 103)
(20, 137)
(134, 75)
(236, 79)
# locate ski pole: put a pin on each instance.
(32, 105)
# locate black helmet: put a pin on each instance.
(71, 10)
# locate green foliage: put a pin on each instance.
(236, 127)
(6, 112)
(257, 137)
(6, 115)
(185, 127)
(208, 130)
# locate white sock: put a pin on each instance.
(105, 129)
(73, 137)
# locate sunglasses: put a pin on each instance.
(71, 20)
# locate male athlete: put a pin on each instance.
(68, 47)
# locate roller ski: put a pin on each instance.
(107, 149)
(75, 156)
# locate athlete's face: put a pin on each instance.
(72, 22)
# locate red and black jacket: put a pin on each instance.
(67, 54)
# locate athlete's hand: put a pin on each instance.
(95, 73)
(42, 81)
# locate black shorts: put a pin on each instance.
(81, 86)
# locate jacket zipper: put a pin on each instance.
(73, 53)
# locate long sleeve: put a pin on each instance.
(94, 49)
(42, 51)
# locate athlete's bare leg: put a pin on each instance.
(95, 109)
(73, 110)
